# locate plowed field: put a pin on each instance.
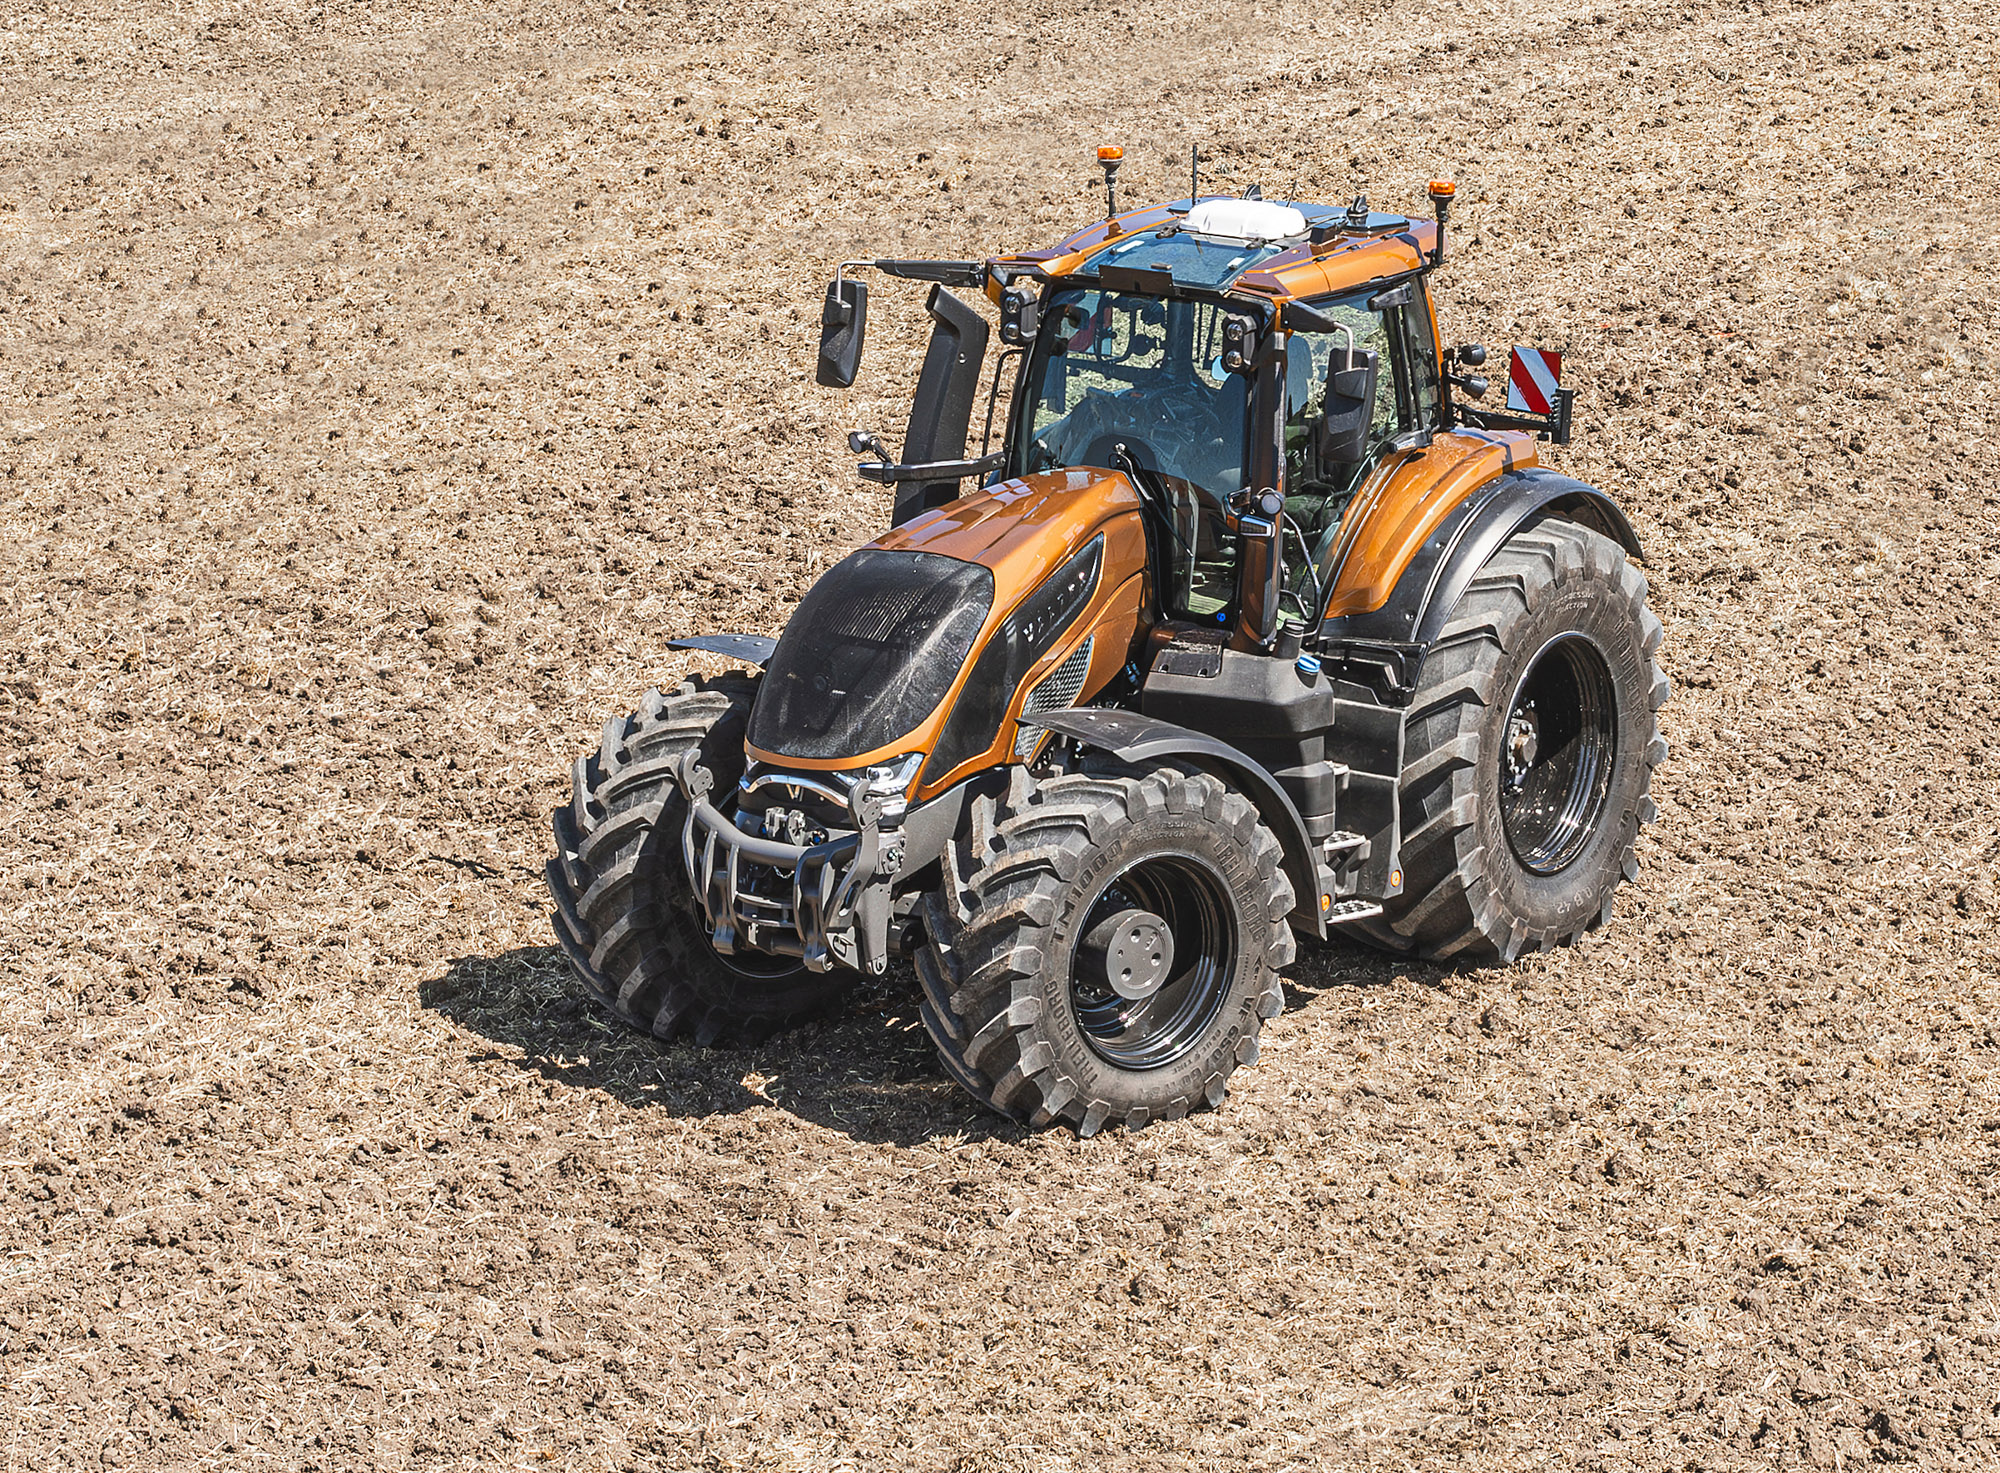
(382, 385)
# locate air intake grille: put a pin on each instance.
(1058, 690)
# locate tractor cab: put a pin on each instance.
(1186, 393)
(1248, 364)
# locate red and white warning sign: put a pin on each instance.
(1532, 375)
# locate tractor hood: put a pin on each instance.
(878, 650)
(1023, 530)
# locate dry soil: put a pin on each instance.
(382, 385)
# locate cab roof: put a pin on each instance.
(1160, 248)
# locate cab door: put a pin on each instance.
(1394, 324)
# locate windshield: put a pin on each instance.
(1115, 368)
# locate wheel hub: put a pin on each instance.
(1524, 739)
(1130, 952)
(1153, 961)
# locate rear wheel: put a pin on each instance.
(1528, 753)
(624, 912)
(1106, 945)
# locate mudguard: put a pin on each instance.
(1393, 639)
(1132, 737)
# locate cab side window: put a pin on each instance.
(1407, 398)
(1309, 358)
(1407, 395)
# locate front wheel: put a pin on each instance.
(625, 913)
(1528, 753)
(1106, 945)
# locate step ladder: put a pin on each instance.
(1352, 910)
(1340, 842)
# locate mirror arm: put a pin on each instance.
(888, 473)
(946, 273)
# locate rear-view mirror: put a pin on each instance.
(1350, 406)
(843, 324)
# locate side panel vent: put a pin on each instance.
(1057, 691)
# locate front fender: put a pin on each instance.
(751, 649)
(1131, 737)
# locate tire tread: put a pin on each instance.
(986, 933)
(609, 860)
(1449, 911)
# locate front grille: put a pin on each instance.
(1057, 691)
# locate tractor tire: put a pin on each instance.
(1057, 893)
(1528, 754)
(625, 914)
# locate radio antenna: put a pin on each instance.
(1194, 173)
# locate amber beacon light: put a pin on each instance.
(1441, 191)
(1109, 157)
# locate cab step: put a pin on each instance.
(1341, 842)
(1353, 910)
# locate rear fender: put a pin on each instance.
(1131, 737)
(1395, 637)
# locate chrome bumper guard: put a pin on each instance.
(839, 905)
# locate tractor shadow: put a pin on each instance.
(869, 1072)
(1341, 966)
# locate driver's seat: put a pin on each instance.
(1303, 377)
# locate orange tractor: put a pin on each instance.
(1249, 624)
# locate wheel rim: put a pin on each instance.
(1190, 898)
(1557, 751)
